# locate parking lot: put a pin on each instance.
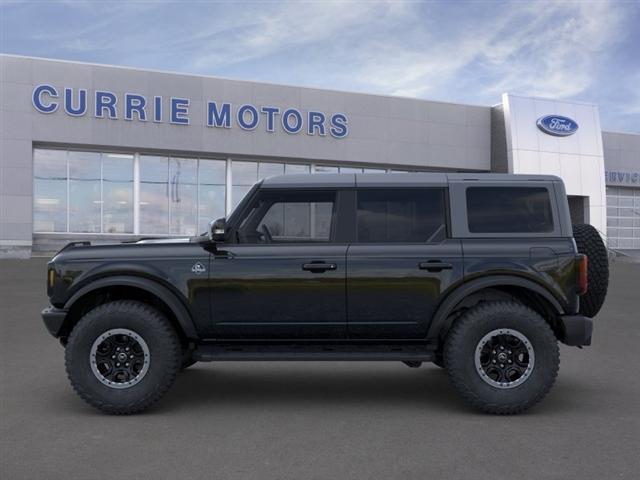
(317, 420)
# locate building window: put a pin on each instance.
(50, 190)
(117, 193)
(85, 198)
(183, 192)
(154, 194)
(93, 192)
(243, 176)
(82, 192)
(212, 180)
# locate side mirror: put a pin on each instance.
(217, 230)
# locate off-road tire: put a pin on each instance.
(464, 338)
(589, 242)
(164, 352)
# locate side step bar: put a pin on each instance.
(218, 352)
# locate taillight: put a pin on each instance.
(583, 278)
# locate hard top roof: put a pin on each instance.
(414, 179)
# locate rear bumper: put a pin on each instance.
(54, 319)
(576, 330)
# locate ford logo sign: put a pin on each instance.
(557, 125)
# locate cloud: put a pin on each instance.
(458, 51)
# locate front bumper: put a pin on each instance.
(576, 330)
(54, 320)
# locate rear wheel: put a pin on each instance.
(122, 357)
(502, 357)
(589, 243)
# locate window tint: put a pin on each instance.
(509, 210)
(401, 216)
(290, 217)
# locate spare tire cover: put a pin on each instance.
(589, 243)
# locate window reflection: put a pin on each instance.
(85, 203)
(93, 192)
(243, 176)
(326, 169)
(49, 190)
(183, 180)
(212, 177)
(269, 169)
(291, 168)
(117, 193)
(154, 194)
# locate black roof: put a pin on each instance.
(317, 180)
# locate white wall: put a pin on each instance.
(577, 159)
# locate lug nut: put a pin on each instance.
(117, 364)
(113, 356)
(502, 365)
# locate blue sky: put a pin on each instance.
(464, 51)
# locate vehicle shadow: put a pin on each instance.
(281, 385)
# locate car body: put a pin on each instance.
(343, 267)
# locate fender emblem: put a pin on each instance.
(198, 268)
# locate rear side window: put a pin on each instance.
(401, 216)
(509, 210)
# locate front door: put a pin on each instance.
(285, 277)
(401, 263)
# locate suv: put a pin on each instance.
(481, 274)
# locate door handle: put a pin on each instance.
(434, 266)
(318, 267)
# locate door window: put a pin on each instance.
(292, 217)
(401, 216)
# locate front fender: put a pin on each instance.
(165, 295)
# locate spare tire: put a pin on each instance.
(589, 243)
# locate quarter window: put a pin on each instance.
(401, 216)
(509, 210)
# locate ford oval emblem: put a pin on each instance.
(557, 125)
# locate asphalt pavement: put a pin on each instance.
(317, 420)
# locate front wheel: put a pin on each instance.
(122, 357)
(502, 357)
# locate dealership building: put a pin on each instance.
(104, 153)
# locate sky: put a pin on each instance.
(458, 51)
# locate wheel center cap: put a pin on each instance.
(122, 357)
(502, 357)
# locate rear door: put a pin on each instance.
(401, 262)
(285, 278)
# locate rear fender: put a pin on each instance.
(442, 319)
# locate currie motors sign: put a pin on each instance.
(557, 125)
(130, 106)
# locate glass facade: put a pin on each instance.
(116, 193)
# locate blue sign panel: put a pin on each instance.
(175, 110)
(557, 125)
